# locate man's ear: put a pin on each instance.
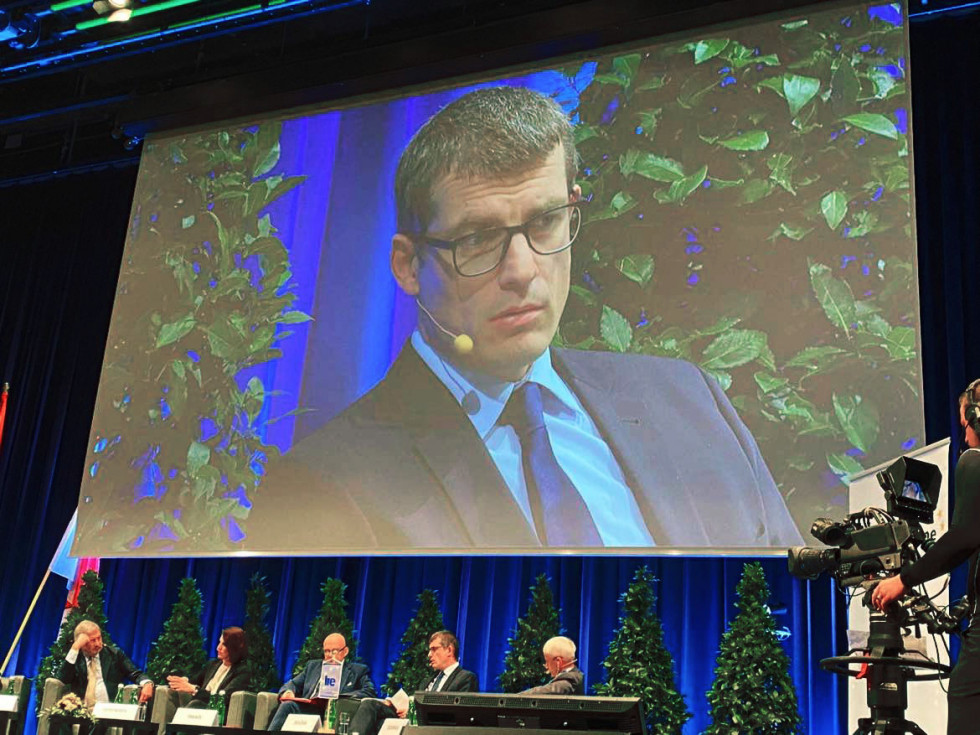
(405, 264)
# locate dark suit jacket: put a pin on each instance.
(355, 681)
(569, 682)
(460, 680)
(117, 668)
(237, 679)
(410, 461)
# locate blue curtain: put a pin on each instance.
(61, 244)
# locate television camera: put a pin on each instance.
(860, 551)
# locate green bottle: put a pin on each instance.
(134, 696)
(221, 709)
(332, 715)
(412, 717)
(119, 695)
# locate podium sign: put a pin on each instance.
(115, 711)
(8, 702)
(302, 723)
(330, 681)
(193, 716)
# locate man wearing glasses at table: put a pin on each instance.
(482, 434)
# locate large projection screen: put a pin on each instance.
(733, 331)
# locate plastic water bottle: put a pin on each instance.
(221, 708)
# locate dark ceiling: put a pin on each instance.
(76, 91)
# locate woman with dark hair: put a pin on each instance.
(227, 673)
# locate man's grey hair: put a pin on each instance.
(87, 627)
(560, 646)
(489, 133)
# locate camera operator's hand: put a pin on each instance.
(887, 591)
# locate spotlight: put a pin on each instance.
(117, 10)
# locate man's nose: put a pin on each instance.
(519, 266)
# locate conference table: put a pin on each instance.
(88, 727)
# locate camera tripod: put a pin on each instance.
(888, 673)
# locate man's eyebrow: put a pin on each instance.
(477, 222)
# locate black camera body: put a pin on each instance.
(873, 541)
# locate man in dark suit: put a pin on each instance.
(95, 671)
(559, 662)
(449, 676)
(493, 438)
(355, 682)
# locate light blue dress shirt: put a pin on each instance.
(579, 448)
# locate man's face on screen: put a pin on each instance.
(512, 312)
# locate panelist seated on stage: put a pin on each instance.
(559, 662)
(355, 682)
(449, 676)
(228, 673)
(95, 671)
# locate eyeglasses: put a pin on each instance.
(333, 651)
(433, 649)
(546, 233)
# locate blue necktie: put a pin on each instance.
(561, 517)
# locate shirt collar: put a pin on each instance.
(489, 394)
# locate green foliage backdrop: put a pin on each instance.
(639, 665)
(176, 439)
(524, 662)
(179, 649)
(750, 212)
(752, 691)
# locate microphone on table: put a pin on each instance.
(462, 342)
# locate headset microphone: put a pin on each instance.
(462, 342)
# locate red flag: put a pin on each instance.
(3, 408)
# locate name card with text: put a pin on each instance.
(302, 723)
(8, 702)
(115, 711)
(193, 716)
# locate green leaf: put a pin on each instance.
(834, 295)
(637, 268)
(873, 123)
(900, 343)
(627, 66)
(756, 189)
(844, 465)
(198, 455)
(683, 188)
(584, 294)
(752, 140)
(709, 49)
(799, 90)
(187, 222)
(609, 79)
(653, 83)
(733, 348)
(834, 208)
(795, 25)
(791, 231)
(768, 382)
(657, 168)
(294, 317)
(858, 418)
(268, 161)
(615, 329)
(170, 333)
(584, 131)
(814, 358)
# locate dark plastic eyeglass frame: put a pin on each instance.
(511, 231)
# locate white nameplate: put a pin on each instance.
(115, 711)
(193, 716)
(302, 723)
(330, 681)
(8, 702)
(392, 726)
